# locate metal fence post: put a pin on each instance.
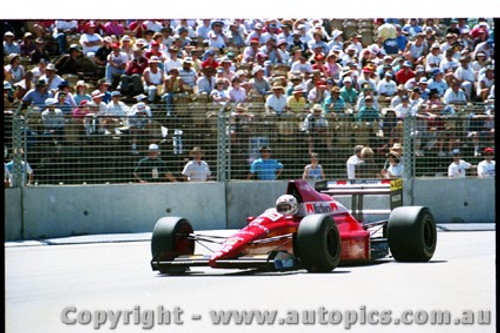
(18, 135)
(222, 147)
(409, 132)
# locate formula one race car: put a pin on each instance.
(308, 229)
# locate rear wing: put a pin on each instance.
(358, 188)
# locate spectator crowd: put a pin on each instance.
(106, 75)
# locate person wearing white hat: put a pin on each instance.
(9, 44)
(386, 88)
(152, 169)
(53, 120)
(52, 78)
(336, 40)
(196, 170)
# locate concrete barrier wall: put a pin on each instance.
(74, 210)
(60, 211)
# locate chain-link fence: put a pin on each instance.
(85, 148)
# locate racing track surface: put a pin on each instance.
(41, 280)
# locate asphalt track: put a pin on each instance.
(42, 280)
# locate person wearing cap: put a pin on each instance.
(250, 52)
(479, 61)
(103, 51)
(206, 83)
(216, 37)
(115, 114)
(80, 114)
(14, 71)
(265, 167)
(412, 27)
(457, 168)
(354, 160)
(259, 83)
(367, 91)
(138, 119)
(196, 170)
(395, 168)
(187, 73)
(269, 51)
(9, 43)
(27, 45)
(53, 120)
(152, 169)
(348, 93)
(90, 40)
(437, 82)
(334, 103)
(38, 95)
(98, 106)
(386, 88)
(486, 168)
(153, 79)
(116, 63)
(276, 102)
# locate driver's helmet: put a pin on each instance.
(287, 205)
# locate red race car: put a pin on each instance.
(307, 229)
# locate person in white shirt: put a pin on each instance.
(117, 62)
(387, 88)
(466, 76)
(353, 160)
(276, 102)
(395, 168)
(458, 167)
(196, 170)
(486, 168)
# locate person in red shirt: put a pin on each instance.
(131, 81)
(155, 51)
(320, 64)
(137, 28)
(405, 73)
(210, 61)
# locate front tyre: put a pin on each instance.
(412, 234)
(318, 243)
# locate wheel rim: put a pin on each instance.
(331, 242)
(428, 234)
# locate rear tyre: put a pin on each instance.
(170, 240)
(318, 243)
(411, 234)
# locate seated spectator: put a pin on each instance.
(66, 89)
(265, 168)
(90, 40)
(116, 64)
(455, 95)
(152, 169)
(395, 168)
(297, 103)
(27, 45)
(63, 28)
(486, 168)
(485, 82)
(259, 83)
(153, 79)
(276, 103)
(449, 62)
(173, 85)
(348, 93)
(206, 82)
(319, 93)
(9, 44)
(334, 103)
(458, 167)
(39, 70)
(39, 52)
(131, 82)
(236, 92)
(172, 61)
(188, 74)
(209, 60)
(313, 171)
(368, 112)
(103, 51)
(38, 95)
(14, 71)
(437, 82)
(114, 27)
(219, 95)
(23, 86)
(386, 88)
(53, 120)
(334, 67)
(196, 170)
(317, 129)
(81, 92)
(405, 73)
(62, 104)
(69, 63)
(114, 115)
(365, 93)
(53, 80)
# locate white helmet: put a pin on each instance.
(287, 205)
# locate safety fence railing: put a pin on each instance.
(81, 146)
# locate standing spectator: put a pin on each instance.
(265, 168)
(395, 169)
(486, 168)
(353, 160)
(53, 120)
(313, 171)
(196, 170)
(27, 171)
(457, 168)
(152, 169)
(317, 128)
